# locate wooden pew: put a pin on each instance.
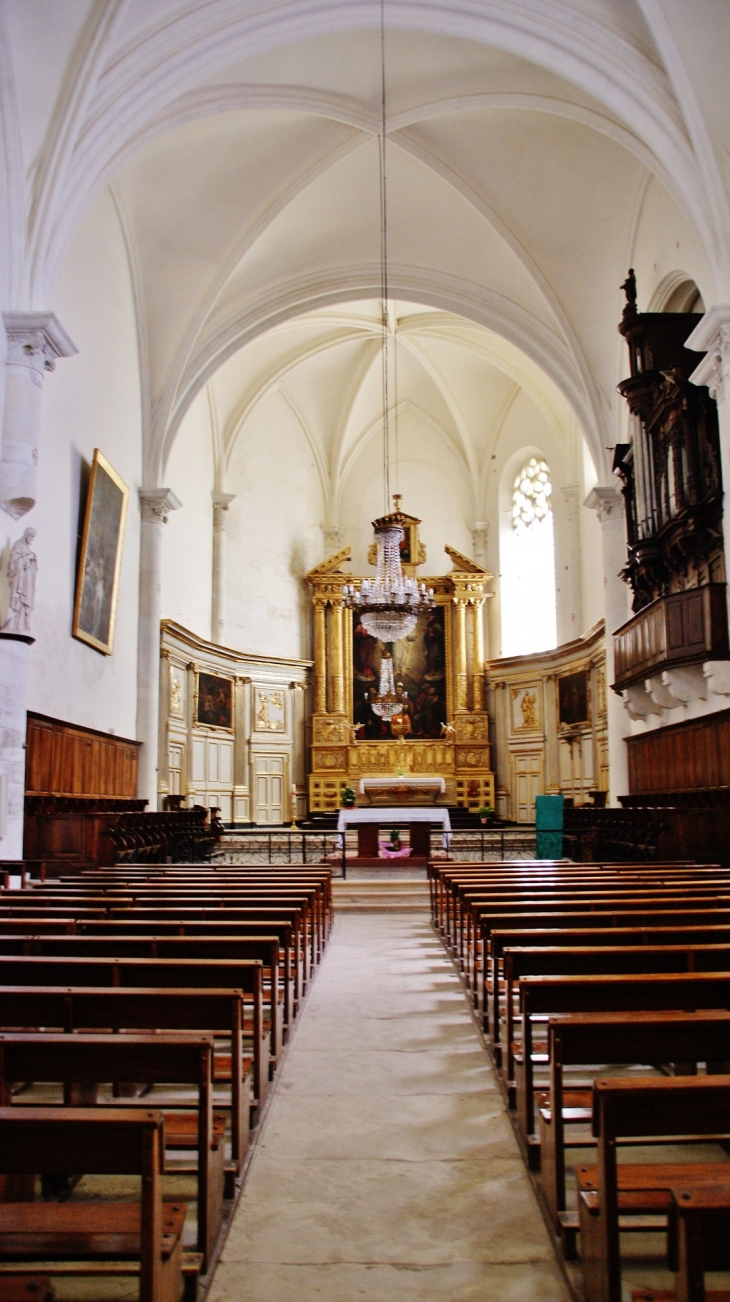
(584, 937)
(158, 973)
(72, 1009)
(604, 961)
(598, 920)
(604, 994)
(27, 1288)
(264, 949)
(587, 1039)
(108, 1141)
(654, 1110)
(82, 1062)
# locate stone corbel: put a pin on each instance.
(35, 341)
(332, 536)
(686, 684)
(639, 703)
(717, 674)
(221, 503)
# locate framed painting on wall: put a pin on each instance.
(419, 665)
(100, 561)
(214, 701)
(573, 698)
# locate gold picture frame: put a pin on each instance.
(100, 561)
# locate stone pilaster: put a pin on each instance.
(609, 507)
(221, 503)
(156, 504)
(712, 337)
(35, 341)
(332, 538)
(573, 607)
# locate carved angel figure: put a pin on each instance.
(22, 570)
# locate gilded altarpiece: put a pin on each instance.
(443, 730)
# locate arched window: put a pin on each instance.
(528, 565)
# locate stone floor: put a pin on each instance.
(387, 1168)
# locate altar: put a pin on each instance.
(419, 821)
(436, 750)
(403, 790)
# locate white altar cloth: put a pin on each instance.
(397, 814)
(434, 783)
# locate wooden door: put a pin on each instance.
(269, 789)
(527, 784)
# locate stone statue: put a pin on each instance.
(22, 570)
(629, 288)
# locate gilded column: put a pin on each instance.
(338, 660)
(478, 658)
(320, 657)
(462, 681)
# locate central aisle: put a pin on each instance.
(387, 1169)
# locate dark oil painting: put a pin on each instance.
(573, 698)
(101, 554)
(419, 663)
(215, 701)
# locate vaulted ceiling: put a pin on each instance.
(527, 142)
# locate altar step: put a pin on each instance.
(396, 896)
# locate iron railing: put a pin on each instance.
(261, 845)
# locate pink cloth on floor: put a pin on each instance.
(387, 853)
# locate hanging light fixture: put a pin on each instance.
(389, 701)
(390, 603)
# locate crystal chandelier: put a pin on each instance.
(389, 701)
(390, 603)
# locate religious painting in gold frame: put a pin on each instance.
(100, 560)
(213, 701)
(419, 664)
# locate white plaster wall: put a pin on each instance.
(591, 547)
(91, 400)
(432, 481)
(187, 538)
(271, 528)
(664, 242)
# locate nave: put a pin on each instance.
(387, 1166)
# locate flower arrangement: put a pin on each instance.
(348, 798)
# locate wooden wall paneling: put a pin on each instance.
(64, 759)
(691, 756)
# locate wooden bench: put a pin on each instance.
(82, 1062)
(74, 1009)
(591, 961)
(586, 1039)
(653, 1110)
(104, 1141)
(603, 994)
(264, 950)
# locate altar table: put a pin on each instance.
(410, 790)
(369, 821)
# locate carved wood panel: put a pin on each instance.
(691, 756)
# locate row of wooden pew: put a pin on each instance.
(144, 1010)
(603, 991)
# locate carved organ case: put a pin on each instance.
(671, 469)
(672, 487)
(443, 730)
